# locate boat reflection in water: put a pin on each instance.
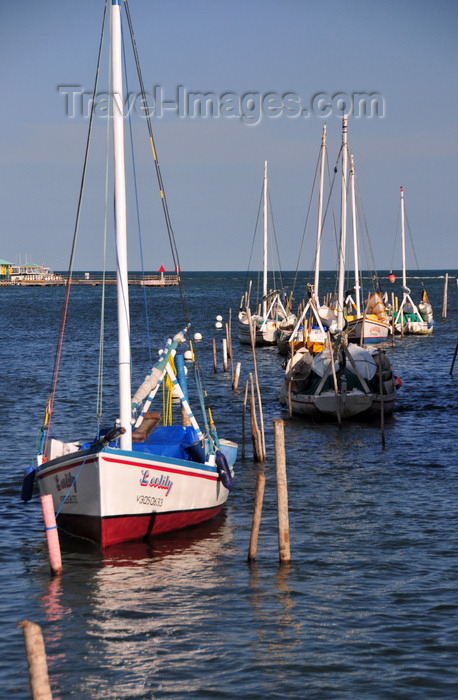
(145, 603)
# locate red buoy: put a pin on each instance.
(391, 278)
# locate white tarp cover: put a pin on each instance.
(363, 360)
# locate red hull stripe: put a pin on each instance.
(117, 529)
(162, 468)
(148, 465)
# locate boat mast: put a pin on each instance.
(343, 228)
(264, 277)
(403, 242)
(355, 236)
(319, 230)
(124, 358)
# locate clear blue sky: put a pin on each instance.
(405, 51)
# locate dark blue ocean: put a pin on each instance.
(368, 607)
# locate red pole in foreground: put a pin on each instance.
(52, 537)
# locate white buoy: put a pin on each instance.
(219, 318)
(218, 324)
(188, 355)
(197, 336)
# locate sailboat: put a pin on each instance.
(343, 380)
(411, 319)
(260, 327)
(134, 479)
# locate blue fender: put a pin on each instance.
(224, 471)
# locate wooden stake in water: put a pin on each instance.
(444, 301)
(258, 501)
(245, 400)
(262, 452)
(36, 659)
(454, 358)
(382, 408)
(224, 355)
(282, 492)
(229, 334)
(215, 360)
(235, 383)
(255, 432)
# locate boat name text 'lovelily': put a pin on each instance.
(157, 482)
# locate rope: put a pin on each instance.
(160, 182)
(137, 209)
(58, 354)
(72, 485)
(253, 240)
(99, 399)
(162, 194)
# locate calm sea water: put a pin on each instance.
(368, 607)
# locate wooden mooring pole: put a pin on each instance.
(382, 407)
(235, 382)
(224, 354)
(282, 492)
(454, 358)
(36, 659)
(444, 301)
(258, 501)
(215, 359)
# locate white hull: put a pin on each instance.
(328, 404)
(374, 331)
(414, 328)
(265, 331)
(339, 386)
(119, 496)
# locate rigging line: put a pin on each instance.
(411, 243)
(329, 202)
(276, 244)
(370, 258)
(306, 224)
(398, 223)
(57, 358)
(137, 208)
(168, 222)
(99, 401)
(165, 208)
(253, 239)
(72, 485)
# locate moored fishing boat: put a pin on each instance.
(133, 478)
(410, 319)
(261, 326)
(343, 380)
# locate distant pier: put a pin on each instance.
(92, 279)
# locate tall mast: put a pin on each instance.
(343, 228)
(124, 358)
(264, 276)
(355, 235)
(319, 230)
(403, 241)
